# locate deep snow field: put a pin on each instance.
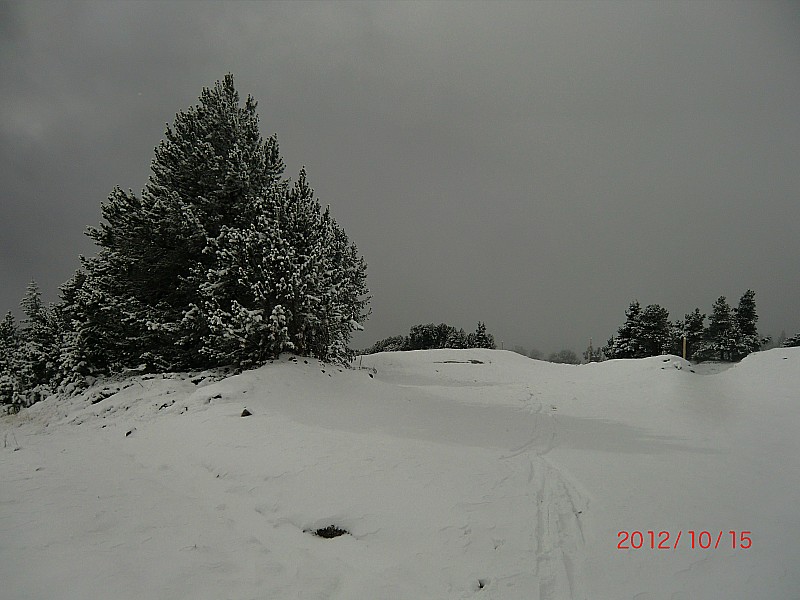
(457, 473)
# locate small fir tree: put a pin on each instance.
(655, 331)
(40, 336)
(693, 328)
(627, 344)
(84, 335)
(481, 339)
(745, 316)
(456, 338)
(9, 359)
(724, 339)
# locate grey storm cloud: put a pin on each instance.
(532, 165)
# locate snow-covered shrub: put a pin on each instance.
(792, 342)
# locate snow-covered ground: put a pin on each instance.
(457, 473)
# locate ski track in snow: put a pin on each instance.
(558, 534)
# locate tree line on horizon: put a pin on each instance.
(220, 261)
(432, 337)
(731, 333)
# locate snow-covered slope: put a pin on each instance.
(457, 473)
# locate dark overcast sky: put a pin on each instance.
(536, 166)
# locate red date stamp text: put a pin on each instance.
(667, 540)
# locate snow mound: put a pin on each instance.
(450, 473)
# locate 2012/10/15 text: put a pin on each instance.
(666, 540)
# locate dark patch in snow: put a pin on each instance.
(246, 413)
(331, 531)
(473, 361)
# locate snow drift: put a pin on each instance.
(449, 473)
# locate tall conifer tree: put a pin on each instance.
(746, 317)
(655, 331)
(155, 249)
(694, 331)
(220, 260)
(626, 344)
(9, 359)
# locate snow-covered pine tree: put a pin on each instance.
(243, 292)
(481, 339)
(693, 327)
(430, 336)
(84, 335)
(343, 291)
(288, 280)
(39, 348)
(9, 342)
(745, 316)
(791, 342)
(734, 345)
(155, 250)
(220, 260)
(9, 355)
(719, 322)
(456, 338)
(422, 337)
(655, 331)
(723, 338)
(626, 344)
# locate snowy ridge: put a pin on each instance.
(455, 473)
